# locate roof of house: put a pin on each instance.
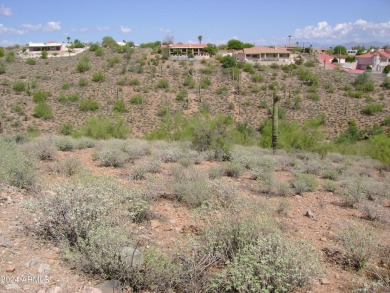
(366, 55)
(51, 43)
(185, 46)
(384, 53)
(265, 50)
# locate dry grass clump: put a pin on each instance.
(69, 166)
(190, 186)
(357, 242)
(43, 147)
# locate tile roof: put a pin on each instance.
(265, 50)
(367, 55)
(384, 53)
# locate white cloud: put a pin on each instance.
(190, 42)
(125, 29)
(4, 29)
(102, 28)
(358, 30)
(164, 30)
(234, 38)
(81, 29)
(50, 26)
(6, 11)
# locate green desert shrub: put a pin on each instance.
(189, 82)
(205, 82)
(88, 105)
(31, 61)
(363, 82)
(181, 96)
(44, 54)
(136, 99)
(98, 76)
(104, 128)
(386, 83)
(257, 78)
(43, 110)
(2, 68)
(83, 65)
(99, 52)
(119, 106)
(19, 86)
(134, 81)
(10, 56)
(83, 82)
(163, 84)
(66, 128)
(40, 96)
(372, 109)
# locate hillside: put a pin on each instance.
(140, 74)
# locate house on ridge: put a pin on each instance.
(180, 51)
(255, 54)
(49, 46)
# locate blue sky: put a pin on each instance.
(259, 22)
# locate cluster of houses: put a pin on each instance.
(376, 60)
(254, 54)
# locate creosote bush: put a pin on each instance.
(17, 167)
(357, 242)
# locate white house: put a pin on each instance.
(263, 54)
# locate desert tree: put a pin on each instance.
(200, 39)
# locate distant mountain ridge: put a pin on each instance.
(348, 45)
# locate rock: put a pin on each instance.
(44, 268)
(92, 290)
(10, 269)
(109, 286)
(42, 291)
(12, 286)
(155, 224)
(54, 289)
(132, 257)
(323, 239)
(5, 242)
(31, 263)
(310, 214)
(324, 281)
